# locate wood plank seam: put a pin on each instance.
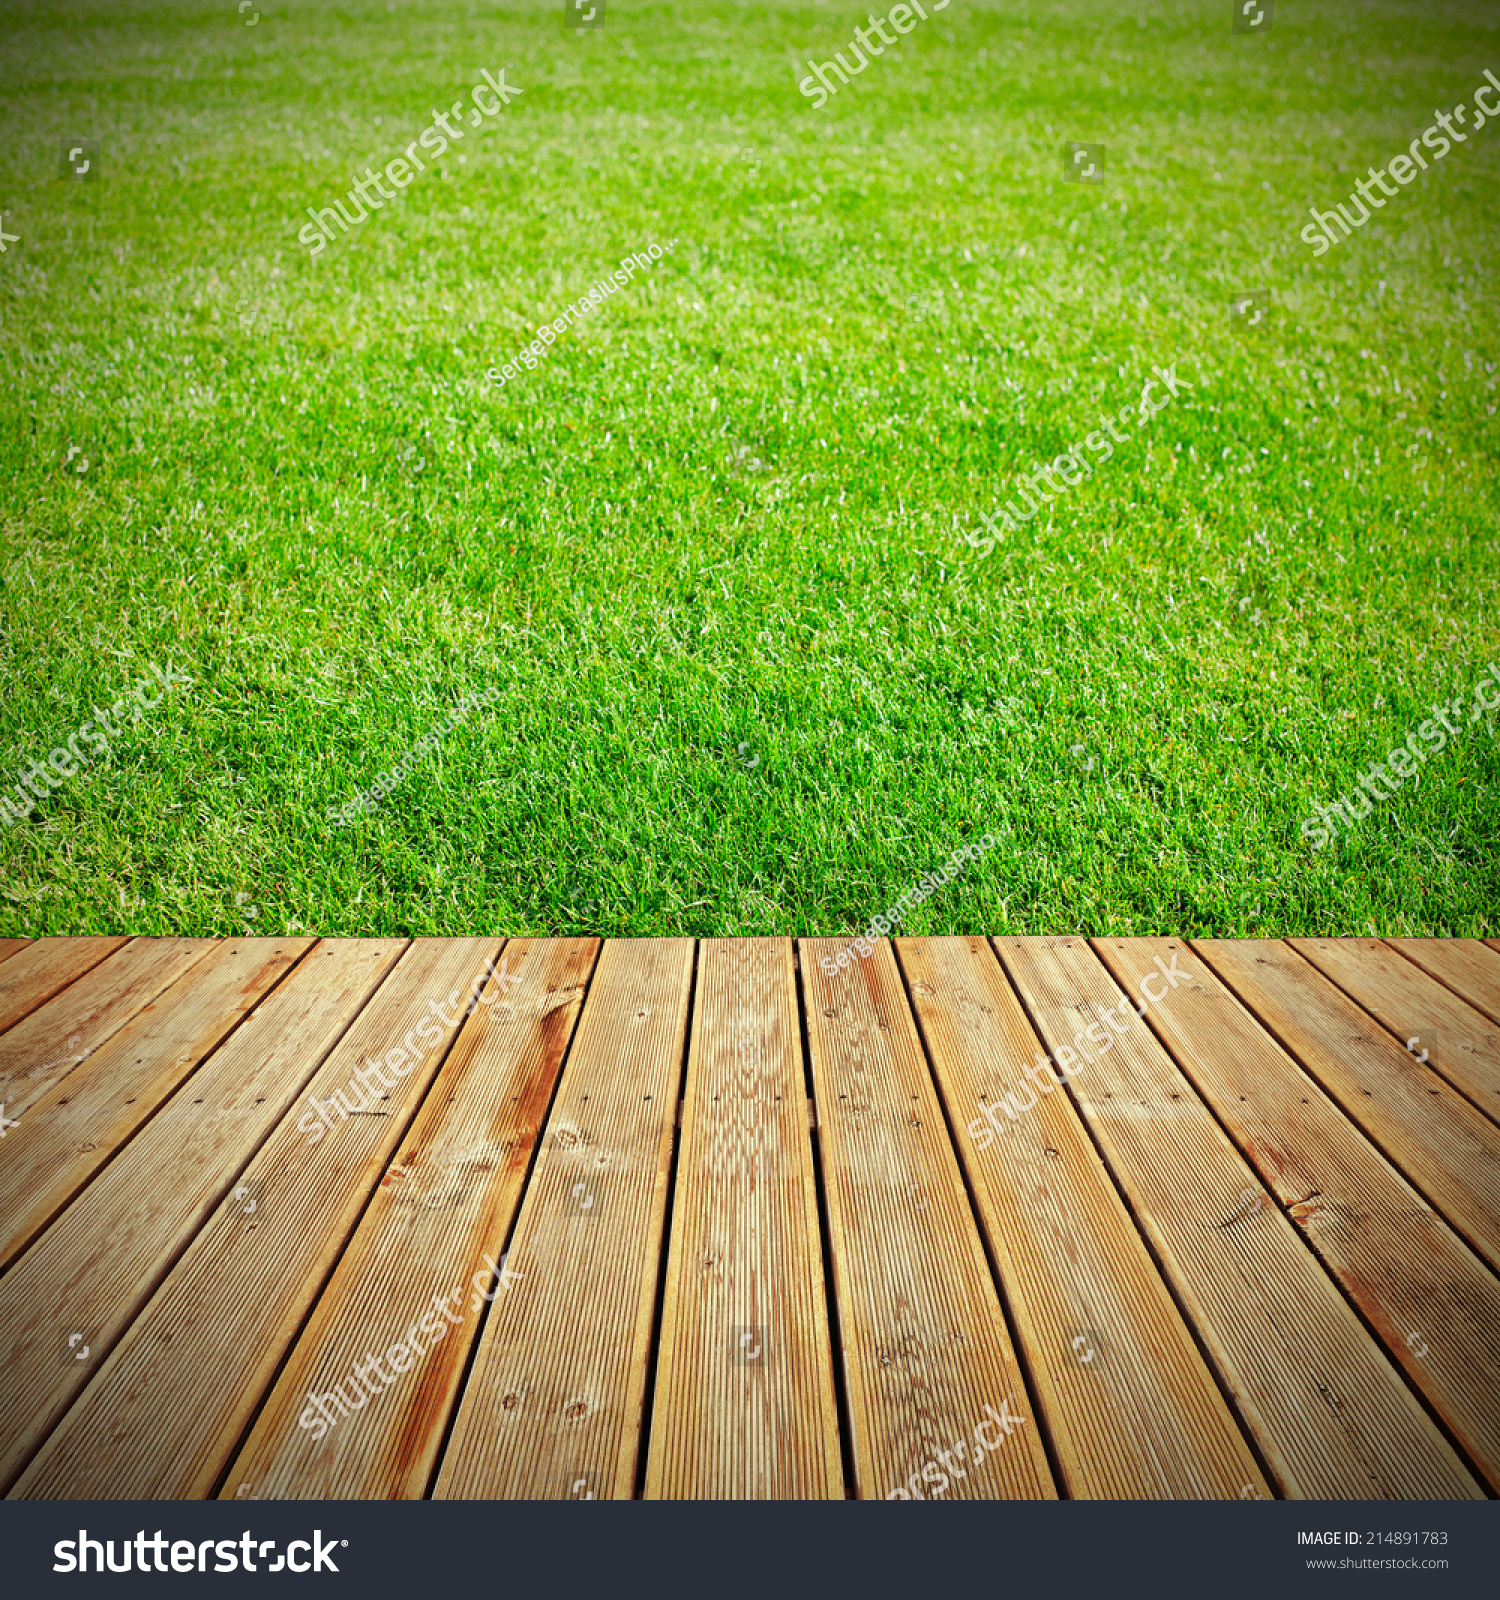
(1484, 1005)
(841, 1397)
(658, 1305)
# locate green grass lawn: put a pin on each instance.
(745, 674)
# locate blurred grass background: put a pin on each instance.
(751, 679)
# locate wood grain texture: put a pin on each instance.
(166, 1411)
(44, 1048)
(1459, 1043)
(924, 1341)
(556, 1394)
(1432, 1301)
(439, 1216)
(79, 1124)
(1449, 1151)
(94, 1269)
(744, 1405)
(1132, 1409)
(33, 975)
(1330, 1415)
(10, 947)
(1468, 966)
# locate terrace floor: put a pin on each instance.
(684, 1219)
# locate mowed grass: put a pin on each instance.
(709, 553)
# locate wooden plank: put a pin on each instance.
(44, 1048)
(927, 1354)
(556, 1394)
(439, 1215)
(1429, 1298)
(91, 1272)
(10, 947)
(1442, 1031)
(1468, 966)
(1449, 1151)
(44, 969)
(77, 1126)
(744, 1405)
(167, 1409)
(1332, 1418)
(1132, 1409)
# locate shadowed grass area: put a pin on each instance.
(749, 676)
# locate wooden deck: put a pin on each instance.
(685, 1220)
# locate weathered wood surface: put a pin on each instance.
(52, 1040)
(236, 1175)
(1428, 1019)
(1468, 966)
(94, 1269)
(32, 976)
(78, 1125)
(166, 1410)
(1446, 1147)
